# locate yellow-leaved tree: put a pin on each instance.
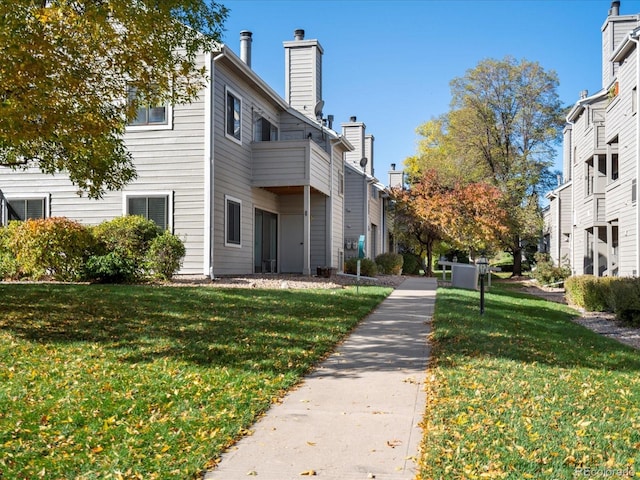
(69, 66)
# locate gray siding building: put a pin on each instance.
(250, 181)
(594, 214)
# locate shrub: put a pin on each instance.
(390, 263)
(367, 267)
(110, 268)
(623, 297)
(127, 238)
(165, 255)
(546, 273)
(411, 264)
(587, 292)
(56, 247)
(8, 263)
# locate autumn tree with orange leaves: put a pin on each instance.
(466, 215)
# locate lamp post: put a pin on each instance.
(483, 268)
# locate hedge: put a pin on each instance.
(620, 295)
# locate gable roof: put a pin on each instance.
(225, 54)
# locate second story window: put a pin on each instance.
(233, 128)
(148, 114)
(265, 131)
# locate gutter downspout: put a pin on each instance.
(329, 213)
(210, 165)
(572, 245)
(634, 39)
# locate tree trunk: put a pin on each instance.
(517, 261)
(428, 268)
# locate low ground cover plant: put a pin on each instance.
(524, 392)
(151, 382)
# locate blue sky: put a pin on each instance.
(390, 62)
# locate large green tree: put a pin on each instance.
(505, 121)
(68, 66)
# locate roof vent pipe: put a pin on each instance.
(393, 166)
(615, 8)
(245, 47)
(298, 34)
(330, 119)
(353, 119)
(583, 94)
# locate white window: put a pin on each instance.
(264, 131)
(149, 116)
(233, 128)
(232, 220)
(341, 183)
(156, 206)
(25, 208)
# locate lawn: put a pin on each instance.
(151, 382)
(523, 392)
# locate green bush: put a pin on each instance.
(623, 296)
(390, 263)
(367, 267)
(51, 247)
(546, 273)
(165, 255)
(411, 264)
(110, 268)
(8, 263)
(128, 239)
(586, 291)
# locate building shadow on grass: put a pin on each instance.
(522, 328)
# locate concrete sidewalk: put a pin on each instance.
(357, 415)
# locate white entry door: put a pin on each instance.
(291, 243)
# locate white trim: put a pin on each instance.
(227, 91)
(207, 251)
(151, 193)
(154, 126)
(229, 198)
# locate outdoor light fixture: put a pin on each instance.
(483, 268)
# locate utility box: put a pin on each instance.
(464, 276)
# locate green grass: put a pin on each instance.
(151, 382)
(523, 392)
